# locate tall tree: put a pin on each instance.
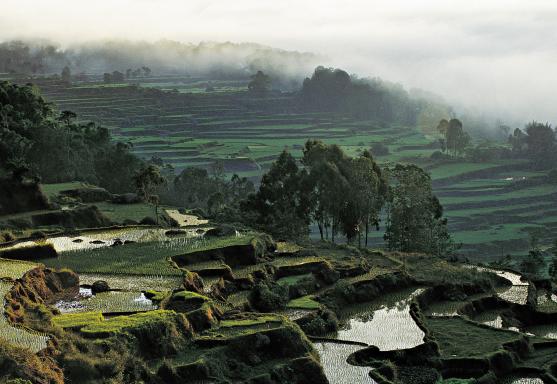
(260, 83)
(415, 216)
(146, 180)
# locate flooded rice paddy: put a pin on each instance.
(21, 337)
(104, 238)
(133, 282)
(333, 358)
(385, 323)
(108, 302)
(517, 293)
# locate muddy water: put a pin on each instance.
(333, 358)
(98, 239)
(385, 323)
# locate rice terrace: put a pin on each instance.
(371, 202)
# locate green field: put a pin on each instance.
(490, 205)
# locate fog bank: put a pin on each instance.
(496, 56)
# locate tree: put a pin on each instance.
(66, 75)
(67, 117)
(346, 194)
(280, 206)
(146, 180)
(415, 216)
(107, 77)
(260, 83)
(540, 140)
(117, 77)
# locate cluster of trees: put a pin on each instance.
(19, 57)
(454, 139)
(56, 147)
(133, 73)
(415, 220)
(210, 192)
(260, 83)
(114, 77)
(331, 89)
(536, 141)
(345, 195)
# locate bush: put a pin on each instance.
(267, 297)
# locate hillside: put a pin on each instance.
(492, 205)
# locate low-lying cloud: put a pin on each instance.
(491, 55)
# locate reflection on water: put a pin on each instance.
(385, 323)
(522, 380)
(338, 371)
(133, 282)
(549, 331)
(517, 293)
(493, 319)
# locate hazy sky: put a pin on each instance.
(494, 55)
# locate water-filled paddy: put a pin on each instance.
(133, 282)
(385, 322)
(105, 238)
(108, 302)
(20, 337)
(521, 380)
(517, 293)
(338, 371)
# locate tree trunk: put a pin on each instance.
(320, 225)
(367, 229)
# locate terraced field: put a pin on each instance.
(491, 206)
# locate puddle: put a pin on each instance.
(385, 322)
(338, 371)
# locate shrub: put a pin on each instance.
(267, 297)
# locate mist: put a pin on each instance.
(494, 57)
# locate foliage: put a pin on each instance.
(331, 89)
(454, 139)
(260, 83)
(415, 216)
(268, 297)
(59, 149)
(76, 320)
(280, 207)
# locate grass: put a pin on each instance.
(14, 269)
(77, 320)
(294, 280)
(147, 258)
(462, 338)
(112, 302)
(119, 324)
(250, 322)
(304, 302)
